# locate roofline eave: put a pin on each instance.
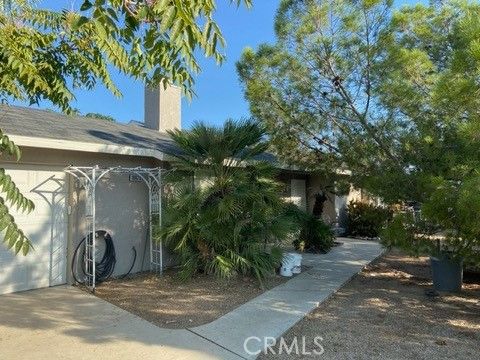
(58, 144)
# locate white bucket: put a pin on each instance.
(297, 264)
(286, 271)
(288, 263)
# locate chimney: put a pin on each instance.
(163, 108)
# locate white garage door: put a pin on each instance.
(299, 193)
(46, 227)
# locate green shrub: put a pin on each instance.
(365, 219)
(314, 235)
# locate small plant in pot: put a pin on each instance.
(452, 240)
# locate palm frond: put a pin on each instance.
(223, 227)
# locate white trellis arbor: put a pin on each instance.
(88, 177)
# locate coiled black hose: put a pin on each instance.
(105, 267)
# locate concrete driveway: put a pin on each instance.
(65, 323)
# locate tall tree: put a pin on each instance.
(391, 95)
(313, 87)
(46, 55)
(430, 82)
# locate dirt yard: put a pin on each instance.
(385, 313)
(170, 303)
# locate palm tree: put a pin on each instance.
(223, 226)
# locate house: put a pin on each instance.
(50, 142)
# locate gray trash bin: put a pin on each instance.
(447, 274)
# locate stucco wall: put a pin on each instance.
(122, 210)
(122, 205)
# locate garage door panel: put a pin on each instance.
(14, 278)
(36, 274)
(45, 188)
(43, 251)
(43, 208)
(46, 227)
(39, 211)
(44, 237)
(24, 277)
(6, 255)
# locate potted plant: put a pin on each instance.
(448, 230)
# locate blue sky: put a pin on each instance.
(219, 95)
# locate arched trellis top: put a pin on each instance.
(89, 176)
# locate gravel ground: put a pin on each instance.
(384, 313)
(170, 303)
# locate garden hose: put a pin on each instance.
(133, 263)
(105, 267)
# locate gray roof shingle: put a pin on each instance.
(32, 122)
(25, 121)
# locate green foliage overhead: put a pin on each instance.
(46, 54)
(390, 95)
(313, 88)
(225, 224)
(432, 71)
(10, 196)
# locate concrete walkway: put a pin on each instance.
(66, 323)
(275, 311)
